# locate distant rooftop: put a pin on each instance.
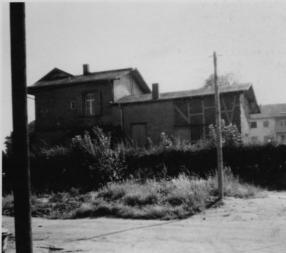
(271, 110)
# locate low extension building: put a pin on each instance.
(122, 99)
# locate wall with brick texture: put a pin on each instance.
(53, 112)
(158, 116)
(163, 116)
(53, 106)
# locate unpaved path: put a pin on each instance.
(241, 225)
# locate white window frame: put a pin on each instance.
(90, 103)
(72, 105)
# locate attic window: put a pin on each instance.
(92, 104)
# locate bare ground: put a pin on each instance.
(240, 225)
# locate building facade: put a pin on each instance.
(121, 98)
(269, 126)
(64, 102)
(186, 115)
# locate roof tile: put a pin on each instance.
(271, 110)
(103, 75)
(182, 94)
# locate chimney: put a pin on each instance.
(85, 69)
(155, 91)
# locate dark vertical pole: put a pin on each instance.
(218, 131)
(21, 174)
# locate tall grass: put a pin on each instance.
(176, 198)
(164, 199)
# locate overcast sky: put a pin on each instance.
(170, 43)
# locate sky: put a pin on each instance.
(170, 43)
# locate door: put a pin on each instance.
(139, 134)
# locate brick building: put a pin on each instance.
(64, 101)
(121, 98)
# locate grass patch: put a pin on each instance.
(165, 199)
(53, 205)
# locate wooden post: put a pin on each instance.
(20, 148)
(218, 131)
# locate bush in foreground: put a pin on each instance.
(165, 199)
(91, 161)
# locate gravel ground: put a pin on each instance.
(240, 225)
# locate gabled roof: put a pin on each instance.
(182, 94)
(50, 79)
(271, 111)
(246, 88)
(54, 74)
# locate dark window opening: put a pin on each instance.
(266, 123)
(253, 124)
(254, 139)
(268, 139)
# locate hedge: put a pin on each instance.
(62, 168)
(261, 165)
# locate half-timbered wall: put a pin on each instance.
(185, 118)
(194, 115)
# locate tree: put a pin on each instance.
(223, 80)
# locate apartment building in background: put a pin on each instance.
(269, 126)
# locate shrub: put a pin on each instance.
(230, 135)
(102, 163)
(8, 205)
(88, 163)
(179, 197)
(91, 162)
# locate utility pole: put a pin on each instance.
(20, 148)
(218, 131)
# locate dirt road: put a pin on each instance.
(241, 225)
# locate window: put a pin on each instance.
(268, 139)
(282, 123)
(266, 123)
(254, 139)
(281, 138)
(91, 104)
(253, 124)
(72, 105)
